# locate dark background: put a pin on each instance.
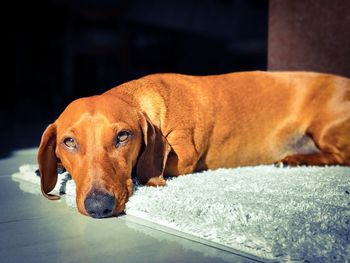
(64, 49)
(60, 50)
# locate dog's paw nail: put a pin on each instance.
(280, 164)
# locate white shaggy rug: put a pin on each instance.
(286, 214)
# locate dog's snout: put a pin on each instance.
(99, 204)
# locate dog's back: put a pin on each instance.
(249, 118)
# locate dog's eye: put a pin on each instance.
(122, 138)
(70, 143)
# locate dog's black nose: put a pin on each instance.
(99, 204)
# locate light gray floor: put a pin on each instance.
(33, 229)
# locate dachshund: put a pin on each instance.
(172, 124)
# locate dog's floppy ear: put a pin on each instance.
(47, 160)
(151, 163)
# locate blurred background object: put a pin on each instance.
(310, 35)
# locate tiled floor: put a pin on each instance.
(34, 229)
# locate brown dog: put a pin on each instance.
(170, 124)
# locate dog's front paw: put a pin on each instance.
(156, 181)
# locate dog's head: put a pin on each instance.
(100, 140)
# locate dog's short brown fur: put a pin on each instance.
(178, 124)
